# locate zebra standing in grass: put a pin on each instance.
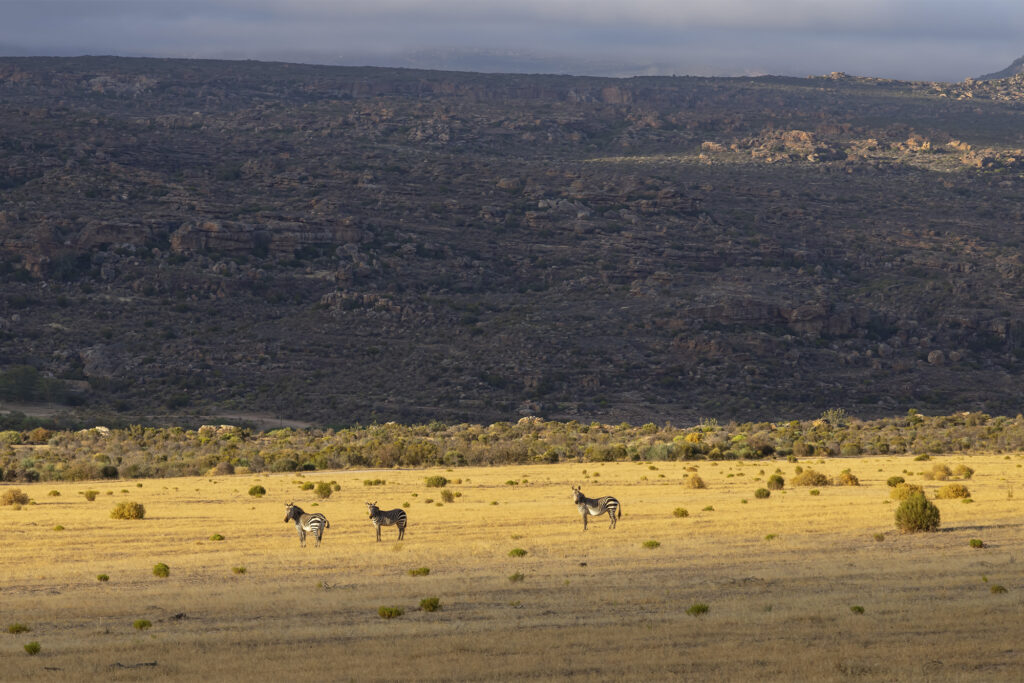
(387, 518)
(313, 523)
(596, 506)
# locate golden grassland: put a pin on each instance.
(779, 575)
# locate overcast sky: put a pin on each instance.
(907, 39)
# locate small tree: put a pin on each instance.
(917, 513)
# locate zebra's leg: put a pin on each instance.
(378, 533)
(302, 538)
(584, 521)
(611, 516)
(401, 533)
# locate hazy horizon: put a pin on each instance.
(904, 39)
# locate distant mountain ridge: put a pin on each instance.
(1017, 67)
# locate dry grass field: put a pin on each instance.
(781, 577)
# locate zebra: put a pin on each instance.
(596, 506)
(313, 523)
(387, 518)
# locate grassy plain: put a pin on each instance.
(779, 575)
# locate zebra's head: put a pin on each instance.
(577, 495)
(292, 512)
(372, 507)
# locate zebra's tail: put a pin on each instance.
(618, 512)
(327, 525)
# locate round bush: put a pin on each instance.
(162, 570)
(128, 510)
(893, 482)
(14, 497)
(917, 513)
(681, 512)
(436, 482)
(323, 490)
(810, 478)
(33, 648)
(430, 604)
(694, 482)
(90, 495)
(257, 491)
(904, 491)
(776, 482)
(762, 493)
(953, 491)
(847, 478)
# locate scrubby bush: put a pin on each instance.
(810, 477)
(307, 486)
(128, 510)
(447, 496)
(373, 482)
(390, 612)
(697, 609)
(257, 491)
(18, 628)
(33, 648)
(776, 482)
(323, 490)
(917, 513)
(436, 482)
(681, 512)
(14, 497)
(162, 570)
(142, 624)
(847, 478)
(953, 491)
(430, 604)
(517, 552)
(998, 589)
(762, 493)
(893, 482)
(904, 491)
(419, 571)
(216, 537)
(977, 543)
(90, 495)
(651, 545)
(54, 493)
(517, 577)
(694, 482)
(963, 472)
(102, 578)
(238, 570)
(938, 472)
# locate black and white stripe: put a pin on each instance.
(313, 523)
(387, 518)
(593, 507)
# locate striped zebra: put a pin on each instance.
(387, 518)
(313, 523)
(592, 507)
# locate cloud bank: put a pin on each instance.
(909, 39)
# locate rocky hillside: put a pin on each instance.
(341, 244)
(1017, 67)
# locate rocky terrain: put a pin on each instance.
(353, 244)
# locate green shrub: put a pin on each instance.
(917, 513)
(419, 571)
(953, 491)
(430, 604)
(810, 478)
(128, 510)
(33, 648)
(18, 628)
(904, 491)
(847, 478)
(436, 482)
(879, 537)
(963, 472)
(815, 492)
(517, 552)
(162, 570)
(923, 458)
(257, 491)
(697, 609)
(323, 490)
(762, 493)
(447, 496)
(238, 570)
(938, 472)
(390, 612)
(91, 495)
(681, 512)
(14, 497)
(142, 624)
(856, 609)
(54, 493)
(59, 527)
(895, 481)
(307, 486)
(776, 482)
(977, 543)
(694, 482)
(373, 482)
(102, 578)
(709, 508)
(517, 577)
(652, 544)
(217, 537)
(998, 589)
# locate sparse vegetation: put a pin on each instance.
(680, 512)
(18, 628)
(517, 577)
(447, 496)
(430, 604)
(14, 497)
(419, 571)
(238, 570)
(917, 513)
(217, 537)
(33, 648)
(390, 612)
(517, 552)
(977, 543)
(103, 578)
(651, 544)
(142, 624)
(128, 510)
(697, 609)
